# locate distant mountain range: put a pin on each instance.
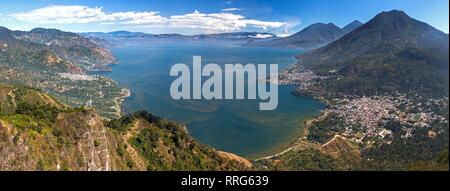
(80, 53)
(120, 38)
(313, 36)
(57, 62)
(392, 52)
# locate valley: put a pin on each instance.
(367, 96)
(58, 63)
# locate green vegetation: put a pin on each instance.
(411, 58)
(305, 160)
(39, 133)
(28, 106)
(439, 164)
(323, 130)
(28, 60)
(420, 152)
(165, 145)
(407, 72)
(124, 123)
(49, 129)
(45, 113)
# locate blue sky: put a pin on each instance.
(208, 16)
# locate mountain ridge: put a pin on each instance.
(72, 47)
(39, 133)
(351, 26)
(392, 48)
(121, 38)
(59, 63)
(311, 37)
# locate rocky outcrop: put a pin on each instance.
(39, 133)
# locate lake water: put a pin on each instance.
(233, 126)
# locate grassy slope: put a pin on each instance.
(39, 133)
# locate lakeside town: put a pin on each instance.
(364, 119)
(288, 77)
(77, 90)
(367, 117)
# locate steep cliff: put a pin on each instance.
(39, 133)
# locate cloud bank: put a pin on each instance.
(206, 22)
(230, 9)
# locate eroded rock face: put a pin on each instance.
(39, 133)
(11, 150)
(77, 142)
(233, 157)
(88, 145)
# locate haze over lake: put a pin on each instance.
(231, 125)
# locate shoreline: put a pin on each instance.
(303, 136)
(276, 150)
(125, 93)
(291, 142)
(294, 144)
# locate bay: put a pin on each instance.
(235, 126)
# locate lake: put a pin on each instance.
(230, 125)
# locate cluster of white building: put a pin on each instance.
(78, 77)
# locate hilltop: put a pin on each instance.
(39, 133)
(391, 53)
(351, 26)
(386, 88)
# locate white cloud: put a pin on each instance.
(262, 36)
(57, 14)
(283, 35)
(207, 22)
(218, 22)
(230, 9)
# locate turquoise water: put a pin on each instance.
(233, 126)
